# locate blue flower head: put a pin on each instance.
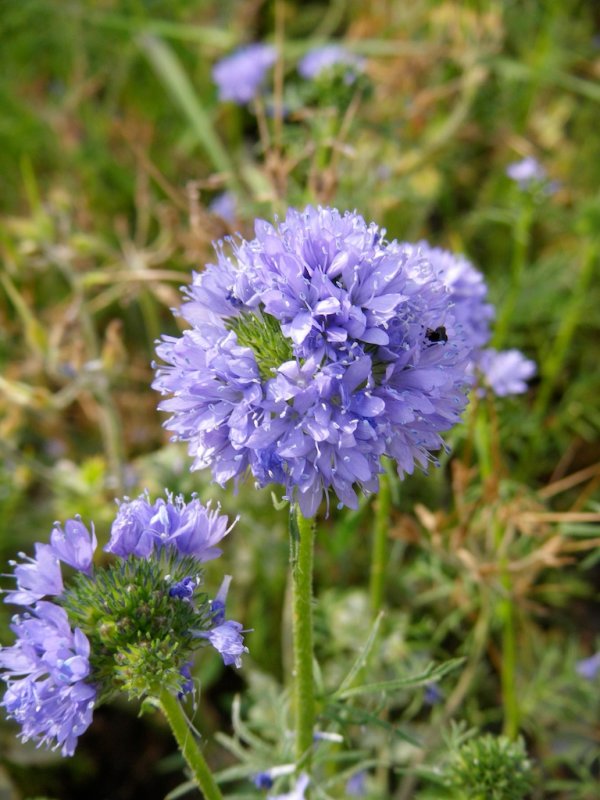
(46, 674)
(224, 205)
(240, 75)
(322, 59)
(526, 172)
(356, 785)
(309, 357)
(129, 627)
(141, 528)
(505, 372)
(588, 668)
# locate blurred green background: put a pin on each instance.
(113, 146)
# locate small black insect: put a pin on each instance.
(437, 335)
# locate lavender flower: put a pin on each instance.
(526, 172)
(129, 627)
(506, 371)
(225, 206)
(433, 694)
(227, 639)
(141, 527)
(309, 357)
(356, 785)
(322, 59)
(45, 672)
(37, 578)
(588, 668)
(75, 545)
(240, 75)
(225, 635)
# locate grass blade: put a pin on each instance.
(172, 74)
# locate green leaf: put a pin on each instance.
(432, 673)
(172, 74)
(362, 657)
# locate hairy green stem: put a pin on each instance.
(186, 740)
(301, 560)
(383, 505)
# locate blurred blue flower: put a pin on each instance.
(321, 59)
(433, 694)
(262, 780)
(224, 205)
(309, 358)
(240, 75)
(45, 672)
(356, 785)
(505, 371)
(266, 779)
(588, 668)
(526, 172)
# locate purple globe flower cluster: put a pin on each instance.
(314, 350)
(240, 76)
(53, 674)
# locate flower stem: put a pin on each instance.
(522, 237)
(301, 561)
(383, 505)
(187, 744)
(509, 663)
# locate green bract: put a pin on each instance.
(140, 635)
